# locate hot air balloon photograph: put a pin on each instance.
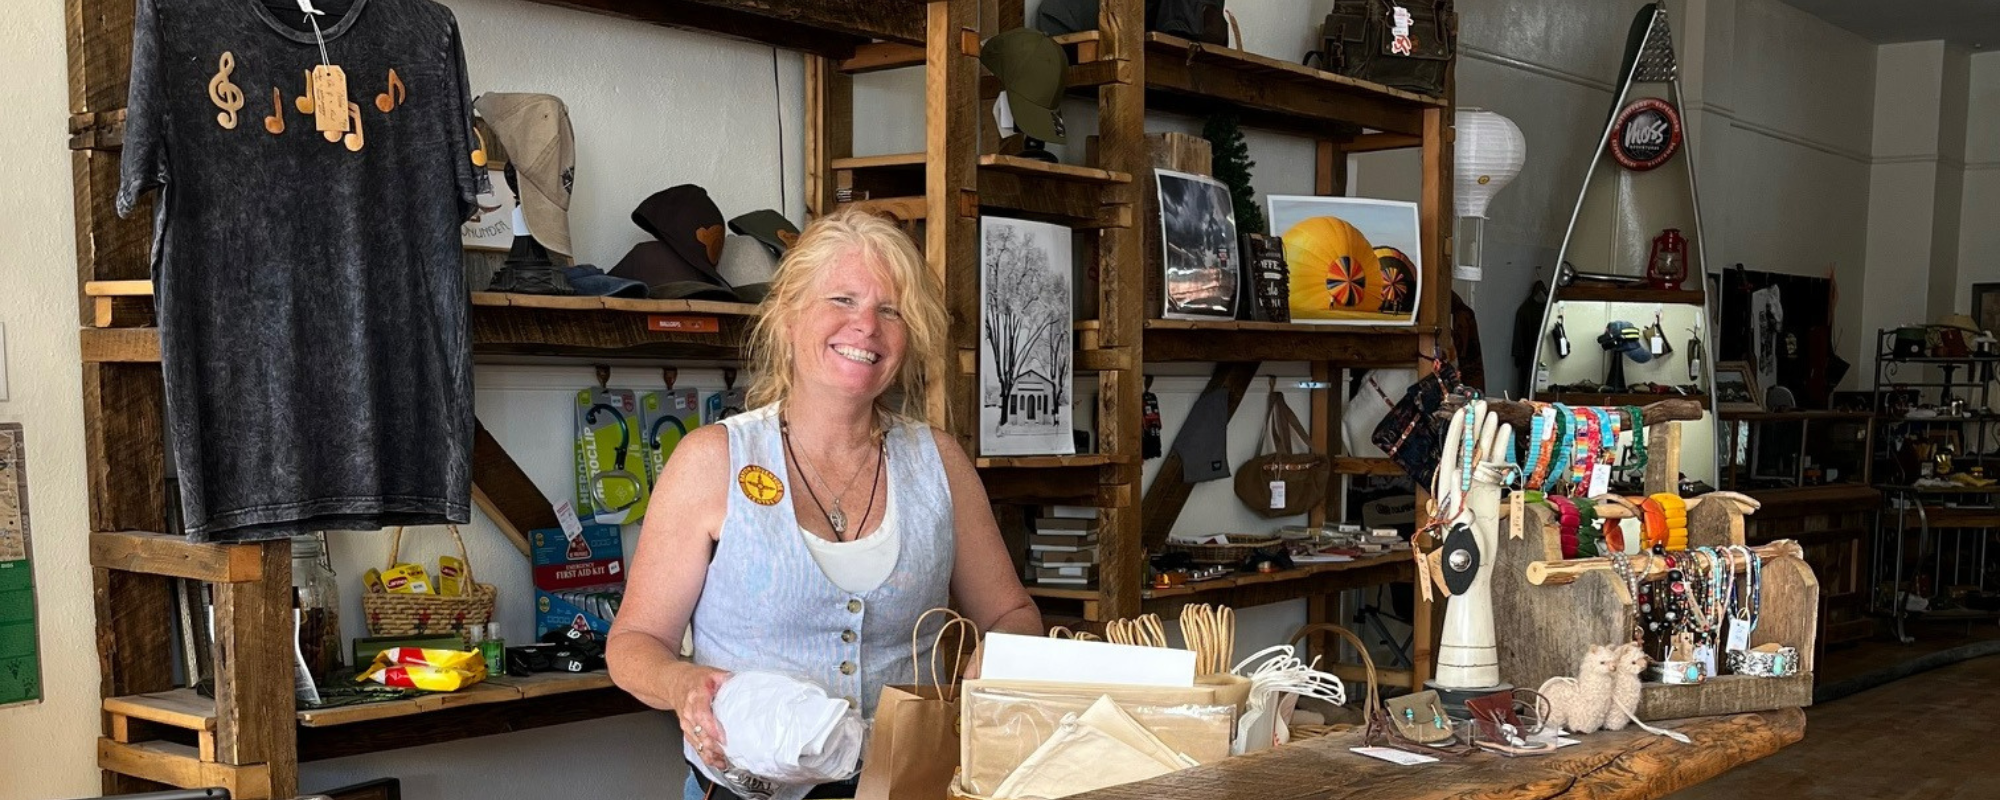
(1350, 260)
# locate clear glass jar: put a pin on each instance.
(316, 594)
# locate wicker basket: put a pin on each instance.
(1370, 701)
(1241, 546)
(417, 614)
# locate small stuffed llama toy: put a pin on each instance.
(1582, 704)
(1629, 661)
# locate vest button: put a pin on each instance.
(854, 606)
(847, 668)
(848, 636)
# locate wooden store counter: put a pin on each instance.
(1623, 765)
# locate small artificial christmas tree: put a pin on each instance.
(1232, 166)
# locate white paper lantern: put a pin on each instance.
(1490, 152)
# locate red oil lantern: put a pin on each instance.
(1667, 267)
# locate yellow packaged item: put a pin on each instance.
(407, 579)
(451, 576)
(373, 580)
(425, 668)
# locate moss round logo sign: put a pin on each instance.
(1646, 134)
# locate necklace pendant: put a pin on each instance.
(838, 519)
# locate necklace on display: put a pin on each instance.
(836, 517)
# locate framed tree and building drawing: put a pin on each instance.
(1025, 354)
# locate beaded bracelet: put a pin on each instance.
(1622, 565)
(1543, 446)
(1589, 536)
(1638, 437)
(1468, 440)
(1565, 440)
(1673, 512)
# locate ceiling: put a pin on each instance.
(1970, 23)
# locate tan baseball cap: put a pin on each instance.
(534, 130)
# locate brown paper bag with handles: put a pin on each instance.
(913, 750)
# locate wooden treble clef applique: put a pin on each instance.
(394, 96)
(226, 96)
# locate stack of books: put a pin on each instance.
(1062, 550)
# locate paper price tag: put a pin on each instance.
(1600, 480)
(1705, 653)
(1400, 21)
(1739, 635)
(329, 98)
(1517, 516)
(1277, 495)
(1658, 345)
(1393, 756)
(566, 517)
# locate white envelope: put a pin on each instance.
(1039, 658)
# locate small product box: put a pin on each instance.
(579, 579)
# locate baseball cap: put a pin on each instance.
(686, 220)
(589, 280)
(1626, 339)
(769, 227)
(1030, 66)
(668, 276)
(534, 131)
(747, 268)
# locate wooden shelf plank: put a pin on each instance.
(451, 721)
(1794, 416)
(181, 766)
(1615, 399)
(1612, 293)
(1049, 462)
(179, 708)
(118, 288)
(992, 162)
(1351, 465)
(1060, 592)
(1189, 78)
(175, 557)
(1188, 340)
(828, 27)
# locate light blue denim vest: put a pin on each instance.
(766, 605)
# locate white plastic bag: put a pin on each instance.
(784, 731)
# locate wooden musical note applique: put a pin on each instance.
(305, 102)
(479, 154)
(276, 122)
(353, 138)
(395, 96)
(226, 96)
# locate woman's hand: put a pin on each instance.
(693, 690)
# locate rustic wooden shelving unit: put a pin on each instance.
(248, 739)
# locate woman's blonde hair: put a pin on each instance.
(883, 247)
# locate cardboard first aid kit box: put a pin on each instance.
(579, 579)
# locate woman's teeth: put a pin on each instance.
(856, 354)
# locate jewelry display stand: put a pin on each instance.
(1545, 624)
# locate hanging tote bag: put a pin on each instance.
(1283, 481)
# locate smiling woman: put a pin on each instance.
(893, 520)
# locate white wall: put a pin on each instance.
(1979, 237)
(47, 749)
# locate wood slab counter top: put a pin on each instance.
(1622, 765)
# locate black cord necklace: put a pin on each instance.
(837, 518)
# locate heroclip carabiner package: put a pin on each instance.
(665, 418)
(610, 489)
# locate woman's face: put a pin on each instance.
(849, 338)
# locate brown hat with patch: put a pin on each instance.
(686, 220)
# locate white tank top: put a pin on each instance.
(860, 565)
